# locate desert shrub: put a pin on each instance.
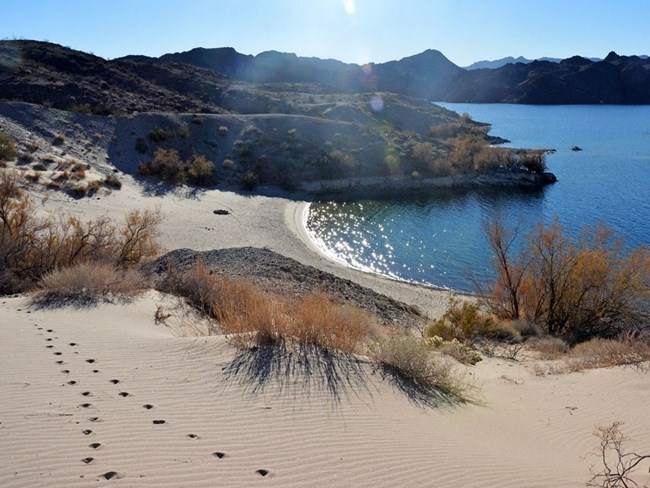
(159, 135)
(249, 180)
(223, 130)
(252, 316)
(533, 161)
(33, 177)
(7, 147)
(113, 181)
(602, 353)
(25, 158)
(340, 164)
(454, 348)
(197, 121)
(168, 166)
(200, 171)
(228, 163)
(58, 139)
(31, 246)
(428, 160)
(78, 191)
(39, 167)
(549, 347)
(93, 187)
(573, 290)
(617, 463)
(87, 283)
(411, 359)
(463, 321)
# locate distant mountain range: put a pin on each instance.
(196, 77)
(498, 63)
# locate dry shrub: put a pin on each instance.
(58, 139)
(168, 166)
(548, 347)
(88, 283)
(617, 463)
(7, 148)
(112, 181)
(603, 353)
(411, 359)
(463, 321)
(574, 290)
(32, 246)
(252, 316)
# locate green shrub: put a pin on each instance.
(249, 180)
(159, 135)
(168, 166)
(7, 148)
(463, 321)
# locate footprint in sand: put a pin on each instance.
(58, 353)
(72, 382)
(86, 394)
(124, 394)
(49, 346)
(59, 362)
(95, 445)
(87, 432)
(95, 371)
(219, 454)
(90, 361)
(159, 422)
(94, 419)
(87, 460)
(115, 382)
(48, 339)
(193, 436)
(86, 405)
(111, 475)
(50, 330)
(147, 406)
(65, 371)
(72, 344)
(262, 472)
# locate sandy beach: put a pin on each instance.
(106, 395)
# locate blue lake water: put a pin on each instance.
(438, 239)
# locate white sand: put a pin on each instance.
(358, 429)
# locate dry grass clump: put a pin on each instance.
(112, 181)
(251, 316)
(410, 358)
(88, 283)
(604, 353)
(31, 246)
(58, 139)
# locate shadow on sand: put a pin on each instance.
(305, 369)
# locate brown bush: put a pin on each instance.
(251, 316)
(463, 321)
(87, 283)
(31, 246)
(574, 290)
(168, 166)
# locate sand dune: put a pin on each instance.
(100, 393)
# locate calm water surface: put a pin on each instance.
(437, 239)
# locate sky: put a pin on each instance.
(356, 31)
